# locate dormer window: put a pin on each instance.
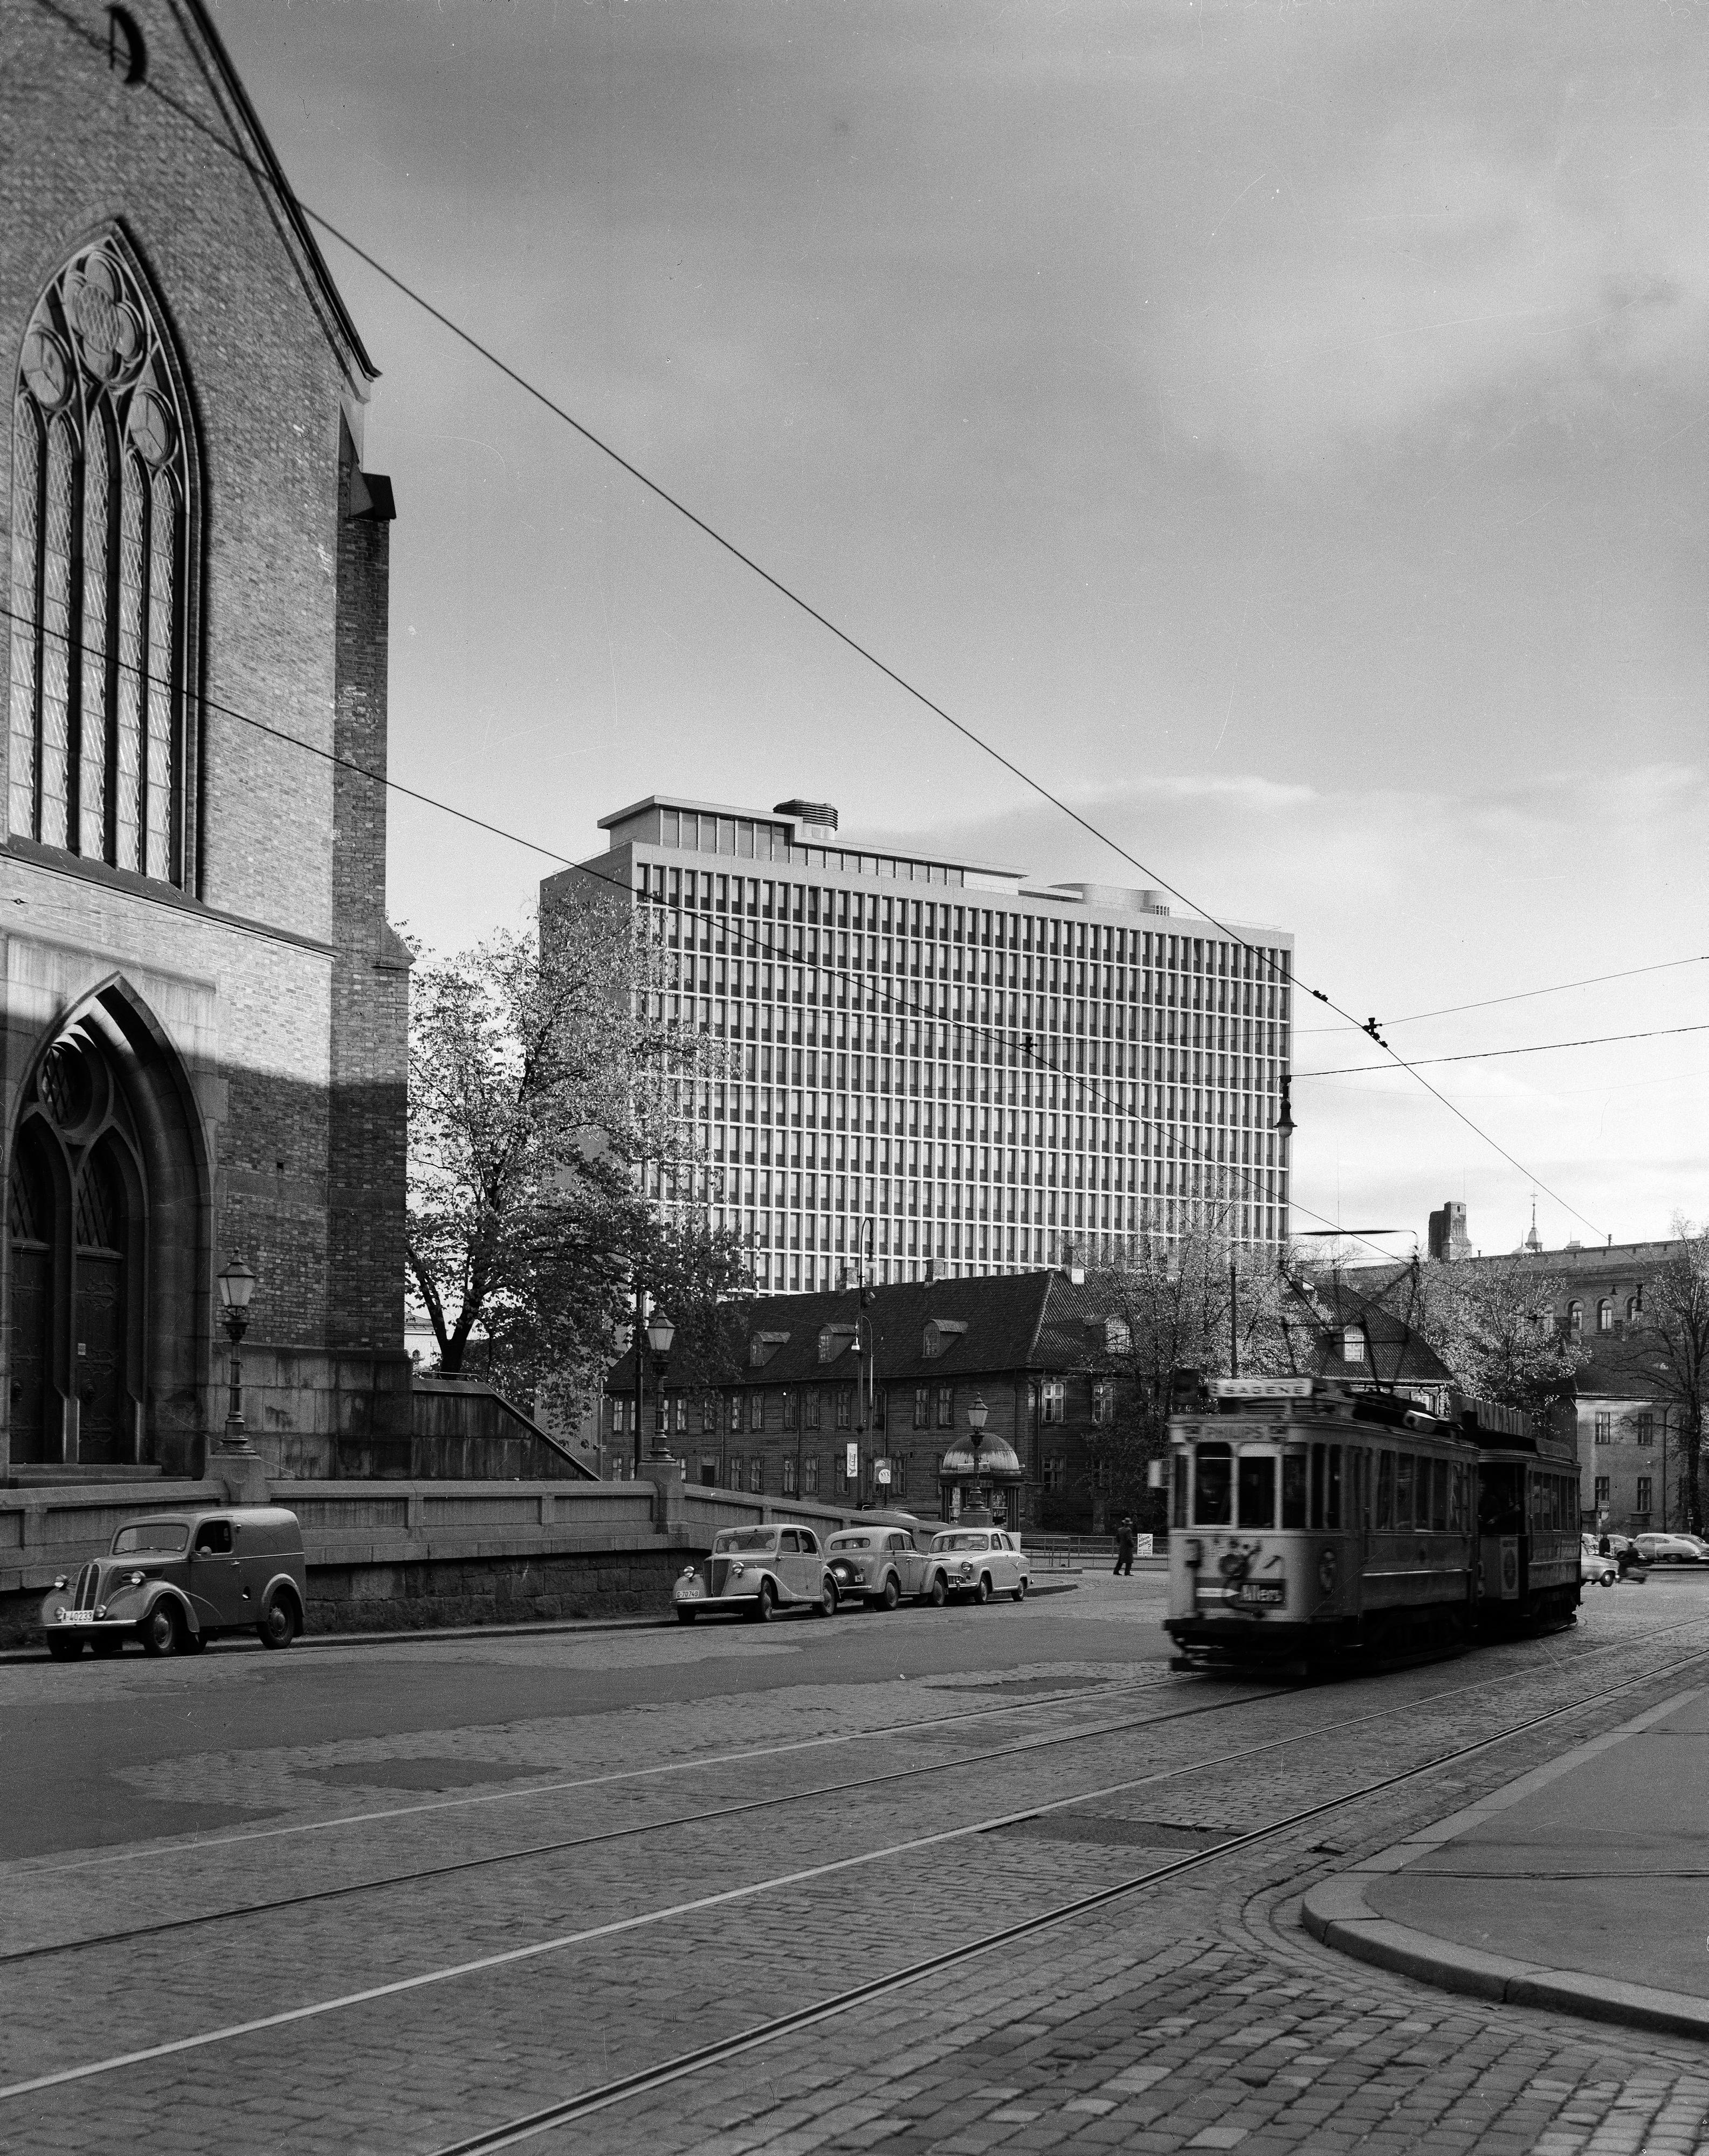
(941, 1335)
(832, 1341)
(1118, 1339)
(1352, 1344)
(763, 1347)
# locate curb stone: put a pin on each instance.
(1338, 1913)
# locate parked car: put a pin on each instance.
(1671, 1549)
(1593, 1566)
(978, 1563)
(754, 1571)
(881, 1562)
(175, 1581)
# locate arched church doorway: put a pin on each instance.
(78, 1218)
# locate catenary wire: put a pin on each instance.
(274, 177)
(1490, 1055)
(1518, 995)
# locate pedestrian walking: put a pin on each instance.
(1125, 1540)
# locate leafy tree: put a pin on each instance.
(1493, 1325)
(548, 1105)
(1169, 1304)
(1667, 1353)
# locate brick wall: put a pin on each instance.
(273, 975)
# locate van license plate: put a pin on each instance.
(1258, 1590)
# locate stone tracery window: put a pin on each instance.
(99, 555)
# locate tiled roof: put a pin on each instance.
(1012, 1320)
(1397, 1353)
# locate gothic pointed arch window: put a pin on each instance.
(100, 563)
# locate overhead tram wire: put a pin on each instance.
(1025, 1056)
(275, 179)
(1491, 1054)
(1520, 996)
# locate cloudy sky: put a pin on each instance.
(1282, 428)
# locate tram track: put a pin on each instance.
(488, 1860)
(199, 1848)
(590, 2102)
(584, 2102)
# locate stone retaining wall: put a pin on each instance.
(393, 1556)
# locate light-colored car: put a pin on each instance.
(1669, 1549)
(174, 1581)
(880, 1564)
(754, 1571)
(1594, 1567)
(977, 1562)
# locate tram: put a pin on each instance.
(1315, 1525)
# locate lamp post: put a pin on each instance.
(977, 1413)
(660, 1335)
(236, 1285)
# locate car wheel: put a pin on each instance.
(278, 1624)
(64, 1651)
(825, 1606)
(893, 1592)
(684, 1616)
(1605, 1579)
(764, 1603)
(981, 1590)
(938, 1593)
(192, 1643)
(1021, 1587)
(160, 1631)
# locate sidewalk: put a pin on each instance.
(1581, 1886)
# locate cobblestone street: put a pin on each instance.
(552, 1863)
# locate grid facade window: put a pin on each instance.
(756, 1474)
(1053, 1400)
(921, 1407)
(1646, 1428)
(1055, 1471)
(1103, 1401)
(814, 1403)
(843, 1398)
(810, 1476)
(789, 1475)
(1605, 1426)
(946, 1407)
(991, 1076)
(788, 1409)
(735, 1415)
(756, 1411)
(1602, 1490)
(1645, 1485)
(735, 1471)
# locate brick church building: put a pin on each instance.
(202, 1046)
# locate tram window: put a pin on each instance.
(1332, 1508)
(1213, 1492)
(1385, 1490)
(1177, 1513)
(1257, 1490)
(1317, 1453)
(1404, 1465)
(1294, 1489)
(1438, 1501)
(1456, 1498)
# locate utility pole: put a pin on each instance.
(640, 1380)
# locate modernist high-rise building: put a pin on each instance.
(940, 1067)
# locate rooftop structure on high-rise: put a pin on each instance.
(942, 1067)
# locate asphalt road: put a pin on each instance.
(81, 1738)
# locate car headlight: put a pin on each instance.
(136, 1579)
(61, 1581)
(687, 1572)
(102, 1609)
(59, 1609)
(736, 1569)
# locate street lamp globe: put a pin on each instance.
(660, 1334)
(236, 1285)
(977, 1413)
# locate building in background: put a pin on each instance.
(1629, 1433)
(942, 1067)
(203, 1041)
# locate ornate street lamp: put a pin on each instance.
(236, 1285)
(977, 1413)
(661, 1333)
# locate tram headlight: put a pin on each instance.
(1193, 1554)
(1327, 1570)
